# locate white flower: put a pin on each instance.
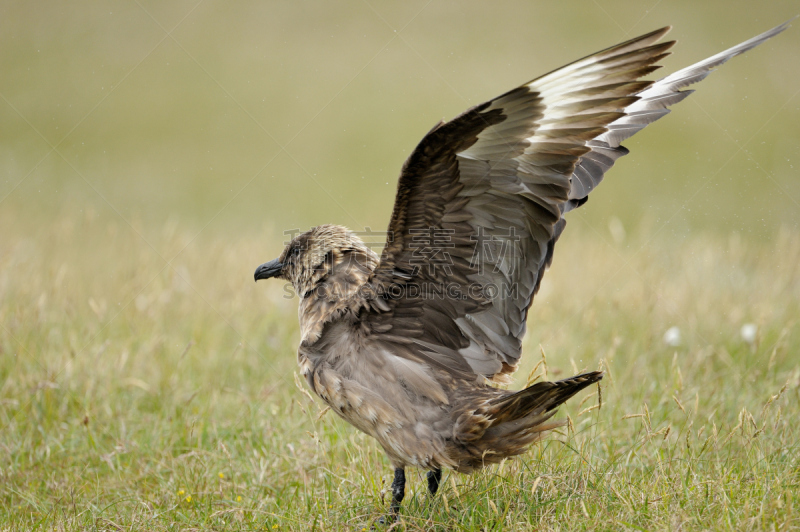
(672, 337)
(748, 332)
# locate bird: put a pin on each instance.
(410, 346)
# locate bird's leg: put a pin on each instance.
(434, 478)
(398, 493)
(398, 490)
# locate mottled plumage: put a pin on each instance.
(406, 348)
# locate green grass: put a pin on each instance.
(152, 154)
(140, 396)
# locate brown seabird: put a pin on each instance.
(406, 347)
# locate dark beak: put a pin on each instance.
(268, 269)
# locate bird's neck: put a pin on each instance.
(334, 296)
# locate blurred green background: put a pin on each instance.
(235, 118)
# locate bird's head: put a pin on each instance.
(318, 255)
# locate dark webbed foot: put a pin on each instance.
(434, 479)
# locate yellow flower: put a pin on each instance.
(222, 475)
(181, 492)
(239, 498)
(276, 525)
(188, 498)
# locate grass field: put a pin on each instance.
(153, 153)
(133, 401)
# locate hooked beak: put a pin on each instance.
(268, 269)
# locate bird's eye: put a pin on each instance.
(296, 252)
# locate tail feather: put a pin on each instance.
(507, 425)
(541, 398)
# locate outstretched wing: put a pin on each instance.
(653, 103)
(480, 202)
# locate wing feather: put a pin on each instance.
(480, 202)
(652, 104)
